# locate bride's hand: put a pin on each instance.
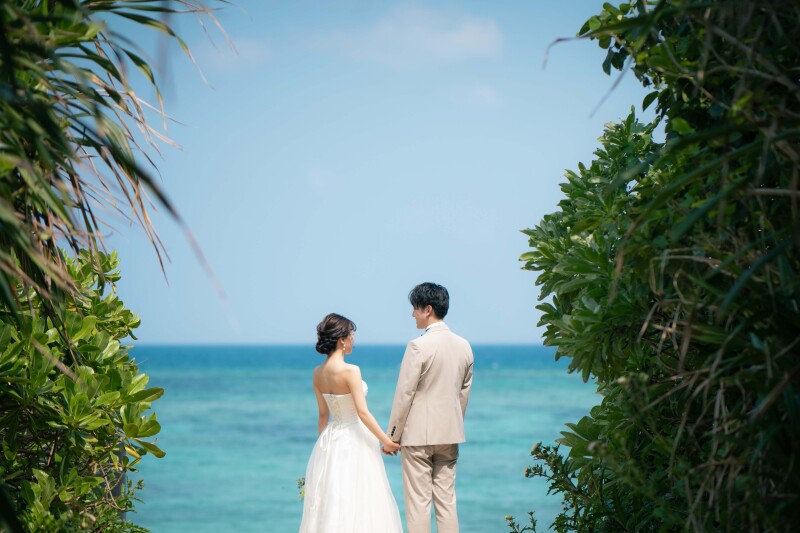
(390, 448)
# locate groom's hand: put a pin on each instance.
(390, 449)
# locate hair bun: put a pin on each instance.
(326, 344)
(332, 328)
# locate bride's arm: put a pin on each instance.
(354, 382)
(322, 422)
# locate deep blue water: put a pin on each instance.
(238, 424)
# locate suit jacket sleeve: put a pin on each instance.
(465, 388)
(407, 382)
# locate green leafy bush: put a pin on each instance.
(73, 408)
(74, 137)
(670, 277)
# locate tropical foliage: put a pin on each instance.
(669, 276)
(75, 147)
(73, 408)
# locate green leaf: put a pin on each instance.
(131, 430)
(147, 395)
(149, 428)
(87, 327)
(151, 448)
(681, 126)
(649, 99)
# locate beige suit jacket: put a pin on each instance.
(432, 390)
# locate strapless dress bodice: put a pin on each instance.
(342, 406)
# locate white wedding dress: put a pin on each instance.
(346, 488)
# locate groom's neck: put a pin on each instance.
(432, 322)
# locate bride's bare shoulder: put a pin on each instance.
(320, 371)
(354, 369)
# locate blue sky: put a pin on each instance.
(346, 151)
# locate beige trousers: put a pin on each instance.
(429, 473)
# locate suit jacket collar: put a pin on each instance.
(436, 326)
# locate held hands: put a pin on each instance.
(390, 448)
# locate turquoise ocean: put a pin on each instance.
(239, 422)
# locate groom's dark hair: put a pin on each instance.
(430, 294)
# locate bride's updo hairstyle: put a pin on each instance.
(332, 328)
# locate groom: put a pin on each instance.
(428, 412)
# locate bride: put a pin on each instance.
(346, 489)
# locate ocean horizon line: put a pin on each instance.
(311, 345)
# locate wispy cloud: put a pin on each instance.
(411, 35)
(478, 95)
